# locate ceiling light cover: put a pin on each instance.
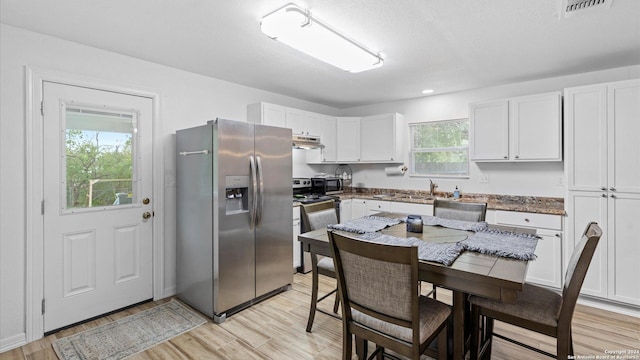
(296, 27)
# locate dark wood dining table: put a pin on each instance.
(472, 273)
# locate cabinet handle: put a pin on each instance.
(603, 188)
(613, 196)
(558, 235)
(604, 195)
(506, 157)
(517, 156)
(526, 220)
(612, 188)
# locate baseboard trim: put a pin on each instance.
(13, 342)
(608, 305)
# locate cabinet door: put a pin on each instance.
(584, 207)
(536, 128)
(345, 211)
(328, 138)
(348, 136)
(375, 206)
(358, 208)
(624, 247)
(379, 135)
(624, 127)
(489, 131)
(546, 269)
(273, 115)
(303, 122)
(412, 208)
(585, 137)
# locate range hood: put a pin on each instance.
(306, 142)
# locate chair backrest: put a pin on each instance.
(378, 280)
(455, 210)
(577, 270)
(318, 215)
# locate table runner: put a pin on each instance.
(365, 224)
(444, 253)
(502, 243)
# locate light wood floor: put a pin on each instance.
(275, 329)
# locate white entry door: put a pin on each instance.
(98, 210)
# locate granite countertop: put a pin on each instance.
(531, 204)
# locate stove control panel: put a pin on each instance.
(301, 182)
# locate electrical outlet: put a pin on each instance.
(484, 178)
(560, 180)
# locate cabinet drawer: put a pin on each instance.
(543, 221)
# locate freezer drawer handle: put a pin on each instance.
(185, 153)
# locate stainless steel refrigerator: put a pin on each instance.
(234, 234)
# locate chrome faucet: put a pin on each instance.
(432, 188)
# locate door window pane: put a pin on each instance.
(99, 167)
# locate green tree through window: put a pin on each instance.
(440, 147)
(98, 166)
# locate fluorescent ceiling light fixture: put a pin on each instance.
(427, 91)
(297, 28)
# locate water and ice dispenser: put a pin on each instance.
(236, 194)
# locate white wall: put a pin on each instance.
(536, 179)
(186, 100)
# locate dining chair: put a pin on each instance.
(536, 308)
(317, 216)
(456, 210)
(379, 288)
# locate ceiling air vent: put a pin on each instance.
(570, 7)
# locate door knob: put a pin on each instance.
(146, 215)
(145, 201)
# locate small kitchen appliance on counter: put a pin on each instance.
(414, 223)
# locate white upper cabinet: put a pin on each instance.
(381, 138)
(348, 139)
(536, 127)
(526, 128)
(602, 126)
(267, 114)
(299, 121)
(327, 132)
(303, 122)
(489, 131)
(372, 139)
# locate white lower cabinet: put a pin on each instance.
(297, 253)
(376, 206)
(546, 269)
(412, 208)
(358, 208)
(345, 210)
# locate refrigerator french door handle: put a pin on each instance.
(261, 190)
(254, 200)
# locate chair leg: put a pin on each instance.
(563, 344)
(443, 344)
(434, 291)
(347, 349)
(475, 333)
(489, 338)
(336, 303)
(314, 291)
(361, 348)
(379, 352)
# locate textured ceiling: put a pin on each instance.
(448, 46)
